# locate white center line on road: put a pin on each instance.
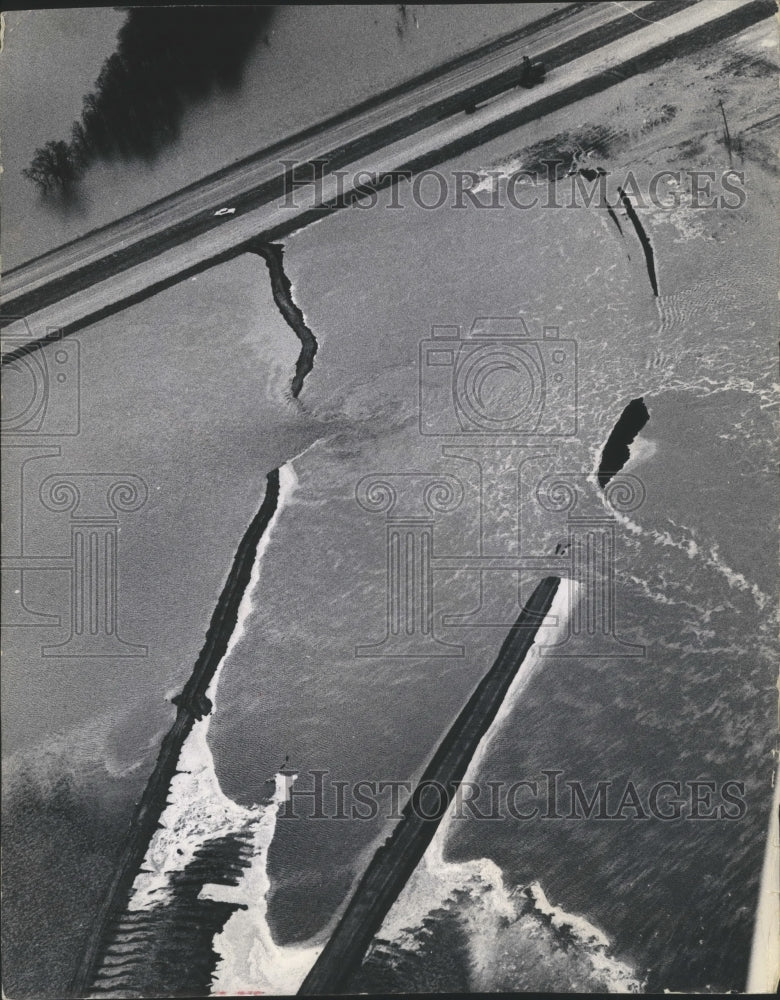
(587, 74)
(363, 129)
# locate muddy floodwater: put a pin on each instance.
(437, 455)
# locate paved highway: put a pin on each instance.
(402, 112)
(179, 236)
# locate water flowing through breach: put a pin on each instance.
(441, 898)
(396, 860)
(197, 918)
(459, 926)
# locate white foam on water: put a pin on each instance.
(494, 917)
(641, 450)
(435, 879)
(692, 549)
(554, 626)
(250, 960)
(197, 808)
(561, 919)
(488, 179)
(618, 976)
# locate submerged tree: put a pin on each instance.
(166, 59)
(54, 165)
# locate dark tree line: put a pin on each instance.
(166, 59)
